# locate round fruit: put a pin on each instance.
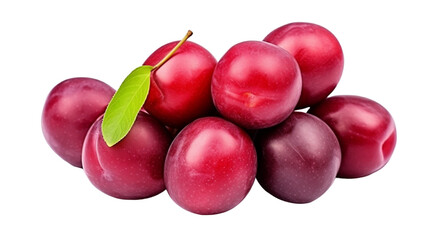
(70, 109)
(319, 56)
(256, 84)
(180, 89)
(298, 159)
(133, 168)
(210, 166)
(365, 129)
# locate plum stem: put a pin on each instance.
(168, 56)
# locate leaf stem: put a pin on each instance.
(168, 56)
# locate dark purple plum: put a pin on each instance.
(298, 159)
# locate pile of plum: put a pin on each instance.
(209, 128)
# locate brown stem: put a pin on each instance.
(168, 56)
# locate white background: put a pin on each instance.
(385, 44)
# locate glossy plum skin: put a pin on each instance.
(298, 159)
(256, 84)
(319, 56)
(183, 81)
(210, 166)
(365, 129)
(133, 168)
(70, 109)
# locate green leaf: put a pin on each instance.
(122, 110)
